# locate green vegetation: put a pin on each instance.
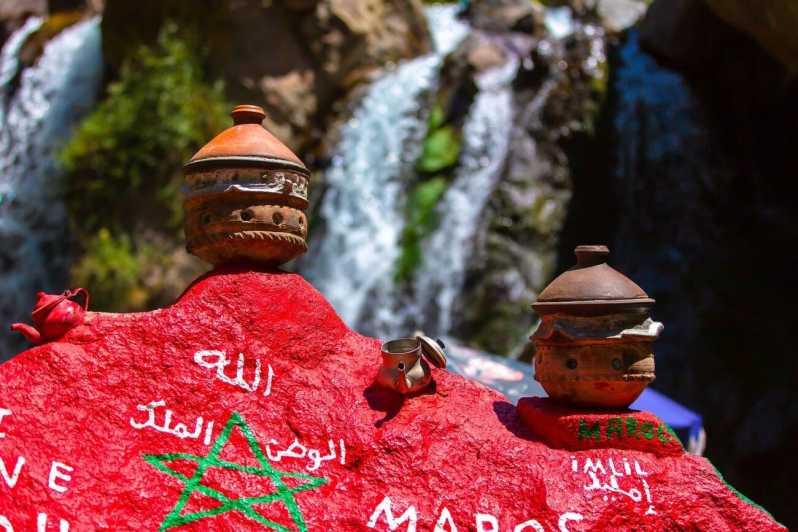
(421, 220)
(441, 147)
(439, 155)
(111, 265)
(122, 165)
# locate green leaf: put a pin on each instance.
(441, 150)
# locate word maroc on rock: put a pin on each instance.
(383, 516)
(616, 428)
(57, 479)
(217, 360)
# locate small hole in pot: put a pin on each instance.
(617, 364)
(246, 215)
(401, 365)
(277, 218)
(630, 357)
(301, 222)
(571, 363)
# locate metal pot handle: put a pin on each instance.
(75, 292)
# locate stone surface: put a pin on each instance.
(13, 9)
(557, 92)
(101, 429)
(771, 23)
(321, 49)
(702, 186)
(506, 15)
(581, 430)
(614, 15)
(14, 12)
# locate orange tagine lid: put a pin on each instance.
(246, 142)
(592, 287)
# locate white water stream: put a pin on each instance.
(353, 264)
(39, 108)
(363, 208)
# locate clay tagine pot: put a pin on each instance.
(593, 347)
(245, 195)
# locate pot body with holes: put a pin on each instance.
(245, 196)
(606, 373)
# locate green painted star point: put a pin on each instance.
(243, 505)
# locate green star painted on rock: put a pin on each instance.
(244, 505)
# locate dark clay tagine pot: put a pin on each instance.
(593, 347)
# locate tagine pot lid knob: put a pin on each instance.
(592, 287)
(246, 141)
(433, 351)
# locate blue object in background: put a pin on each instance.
(687, 424)
(516, 379)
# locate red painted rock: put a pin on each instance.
(249, 405)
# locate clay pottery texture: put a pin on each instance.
(593, 347)
(245, 196)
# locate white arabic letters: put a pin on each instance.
(218, 361)
(612, 488)
(179, 430)
(314, 456)
(4, 412)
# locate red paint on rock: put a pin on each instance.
(579, 429)
(460, 449)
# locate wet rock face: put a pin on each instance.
(14, 12)
(703, 184)
(771, 23)
(322, 49)
(140, 421)
(556, 95)
(506, 15)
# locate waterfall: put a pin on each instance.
(353, 265)
(486, 140)
(37, 115)
(363, 206)
(9, 59)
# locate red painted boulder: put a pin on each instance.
(249, 405)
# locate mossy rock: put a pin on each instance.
(110, 268)
(771, 23)
(126, 25)
(421, 220)
(122, 172)
(52, 26)
(124, 160)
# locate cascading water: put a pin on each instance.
(354, 262)
(353, 265)
(9, 59)
(486, 140)
(37, 115)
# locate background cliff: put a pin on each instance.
(459, 153)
